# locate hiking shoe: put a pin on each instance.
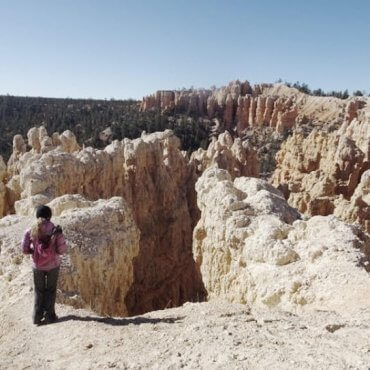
(50, 319)
(37, 320)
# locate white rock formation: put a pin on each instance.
(241, 106)
(156, 181)
(320, 173)
(19, 148)
(66, 142)
(235, 156)
(40, 142)
(103, 240)
(251, 247)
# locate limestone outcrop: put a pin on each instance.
(252, 247)
(264, 115)
(103, 242)
(235, 156)
(157, 182)
(239, 106)
(320, 174)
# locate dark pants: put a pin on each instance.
(45, 293)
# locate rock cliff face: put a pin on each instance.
(251, 246)
(156, 181)
(236, 104)
(264, 115)
(238, 157)
(325, 173)
(240, 106)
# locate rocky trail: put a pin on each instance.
(215, 335)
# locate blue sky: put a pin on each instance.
(127, 49)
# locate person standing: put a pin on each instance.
(46, 243)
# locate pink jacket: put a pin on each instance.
(44, 259)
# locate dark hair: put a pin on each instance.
(43, 212)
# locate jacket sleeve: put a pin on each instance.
(26, 243)
(61, 245)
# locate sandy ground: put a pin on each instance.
(213, 335)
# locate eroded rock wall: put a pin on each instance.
(97, 271)
(357, 209)
(320, 174)
(252, 247)
(239, 106)
(103, 241)
(156, 181)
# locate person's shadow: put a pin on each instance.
(120, 322)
